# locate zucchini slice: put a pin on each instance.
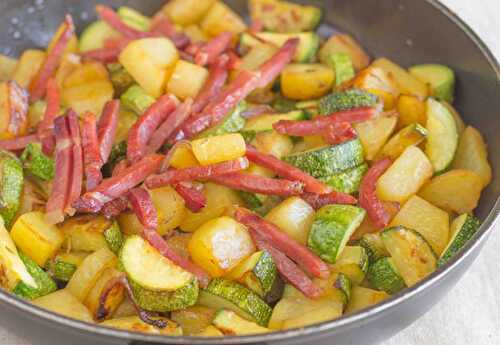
(442, 141)
(11, 186)
(374, 246)
(347, 181)
(265, 122)
(230, 323)
(363, 298)
(345, 100)
(223, 293)
(233, 122)
(45, 284)
(332, 228)
(193, 320)
(384, 276)
(121, 80)
(440, 78)
(136, 99)
(461, 230)
(412, 255)
(353, 263)
(94, 36)
(134, 18)
(343, 67)
(344, 285)
(37, 163)
(327, 161)
(114, 238)
(64, 265)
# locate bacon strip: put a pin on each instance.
(91, 158)
(162, 26)
(271, 234)
(18, 143)
(146, 213)
(171, 177)
(49, 66)
(141, 131)
(117, 186)
(106, 129)
(46, 126)
(286, 170)
(287, 268)
(76, 177)
(368, 194)
(317, 201)
(195, 200)
(320, 124)
(104, 55)
(259, 184)
(234, 60)
(115, 207)
(18, 106)
(209, 52)
(113, 19)
(337, 133)
(216, 79)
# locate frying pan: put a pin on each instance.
(407, 31)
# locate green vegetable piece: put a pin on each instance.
(384, 276)
(264, 279)
(230, 322)
(344, 285)
(114, 238)
(283, 105)
(37, 163)
(63, 271)
(11, 186)
(342, 65)
(345, 100)
(45, 284)
(136, 99)
(234, 122)
(347, 181)
(353, 263)
(94, 36)
(462, 229)
(248, 136)
(134, 18)
(374, 246)
(440, 78)
(120, 78)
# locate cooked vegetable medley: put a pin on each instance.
(189, 174)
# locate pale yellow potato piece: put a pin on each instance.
(114, 297)
(411, 110)
(187, 12)
(187, 80)
(135, 324)
(344, 44)
(7, 67)
(375, 80)
(85, 233)
(375, 133)
(28, 66)
(219, 148)
(362, 298)
(64, 303)
(306, 81)
(221, 18)
(88, 97)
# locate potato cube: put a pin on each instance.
(187, 80)
(306, 81)
(411, 110)
(114, 297)
(219, 148)
(221, 18)
(375, 133)
(187, 12)
(64, 303)
(30, 62)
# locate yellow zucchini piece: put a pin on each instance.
(64, 303)
(344, 44)
(193, 320)
(362, 298)
(219, 148)
(411, 135)
(306, 81)
(89, 272)
(428, 220)
(36, 238)
(294, 217)
(405, 176)
(7, 67)
(472, 154)
(411, 110)
(150, 61)
(454, 191)
(219, 245)
(221, 18)
(375, 133)
(378, 82)
(407, 83)
(85, 233)
(187, 80)
(114, 297)
(135, 324)
(187, 12)
(29, 63)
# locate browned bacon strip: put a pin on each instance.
(76, 177)
(109, 16)
(195, 200)
(115, 207)
(46, 126)
(18, 143)
(106, 129)
(210, 51)
(337, 133)
(162, 26)
(317, 201)
(91, 157)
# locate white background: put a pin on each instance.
(470, 314)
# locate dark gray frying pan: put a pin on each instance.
(407, 31)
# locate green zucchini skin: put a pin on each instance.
(328, 161)
(374, 247)
(233, 122)
(353, 262)
(464, 232)
(166, 301)
(342, 65)
(384, 276)
(346, 100)
(332, 228)
(37, 163)
(114, 238)
(265, 122)
(120, 78)
(94, 35)
(136, 99)
(265, 280)
(11, 186)
(223, 293)
(62, 270)
(45, 284)
(344, 285)
(347, 181)
(134, 18)
(441, 79)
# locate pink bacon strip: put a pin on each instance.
(109, 16)
(91, 158)
(271, 234)
(18, 106)
(76, 177)
(286, 170)
(317, 201)
(103, 55)
(106, 129)
(337, 133)
(117, 186)
(18, 143)
(171, 177)
(210, 51)
(46, 126)
(195, 200)
(162, 26)
(115, 207)
(49, 66)
(216, 80)
(143, 207)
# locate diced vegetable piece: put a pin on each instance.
(363, 298)
(327, 161)
(85, 232)
(183, 157)
(233, 122)
(11, 186)
(306, 51)
(219, 200)
(384, 276)
(230, 323)
(135, 324)
(345, 100)
(36, 113)
(347, 181)
(411, 111)
(120, 78)
(210, 331)
(343, 67)
(45, 284)
(347, 45)
(90, 270)
(221, 18)
(407, 83)
(454, 191)
(405, 176)
(294, 217)
(353, 263)
(411, 254)
(411, 135)
(219, 245)
(428, 220)
(64, 303)
(150, 61)
(64, 265)
(13, 110)
(306, 81)
(134, 18)
(37, 163)
(376, 81)
(193, 320)
(265, 122)
(186, 12)
(28, 66)
(187, 80)
(461, 231)
(374, 246)
(36, 238)
(375, 133)
(332, 228)
(100, 309)
(458, 120)
(137, 99)
(94, 36)
(219, 148)
(442, 140)
(472, 155)
(221, 293)
(114, 237)
(440, 78)
(8, 66)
